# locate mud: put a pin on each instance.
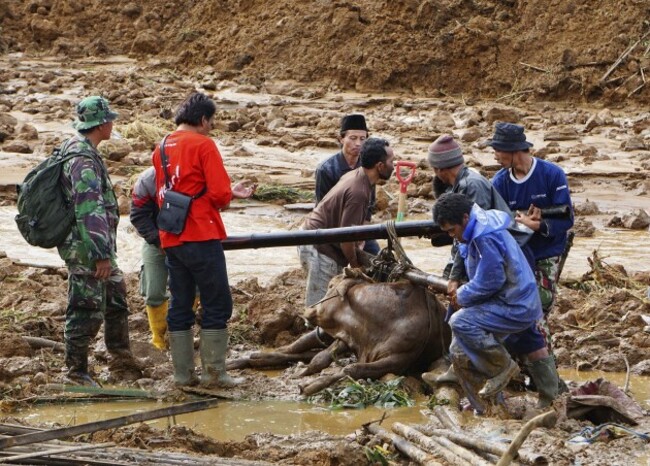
(515, 50)
(282, 75)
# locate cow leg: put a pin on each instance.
(394, 364)
(324, 358)
(271, 360)
(321, 382)
(306, 342)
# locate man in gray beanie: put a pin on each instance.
(452, 176)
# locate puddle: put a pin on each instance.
(234, 420)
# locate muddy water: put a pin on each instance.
(235, 420)
(620, 246)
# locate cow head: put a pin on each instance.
(324, 312)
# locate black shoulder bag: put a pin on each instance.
(175, 205)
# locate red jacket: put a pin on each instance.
(194, 163)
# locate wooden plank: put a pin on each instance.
(120, 392)
(55, 451)
(91, 427)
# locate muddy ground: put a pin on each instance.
(416, 70)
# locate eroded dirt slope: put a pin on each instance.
(549, 50)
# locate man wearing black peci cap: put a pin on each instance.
(352, 135)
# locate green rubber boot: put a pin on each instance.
(214, 344)
(545, 376)
(181, 347)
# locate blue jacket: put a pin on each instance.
(499, 275)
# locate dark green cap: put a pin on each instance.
(93, 111)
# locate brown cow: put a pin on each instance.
(393, 328)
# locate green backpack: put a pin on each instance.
(45, 213)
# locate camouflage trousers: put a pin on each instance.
(91, 302)
(546, 276)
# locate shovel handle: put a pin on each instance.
(404, 181)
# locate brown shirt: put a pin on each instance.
(345, 205)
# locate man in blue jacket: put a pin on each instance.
(529, 184)
(500, 298)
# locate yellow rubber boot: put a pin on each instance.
(158, 325)
(197, 304)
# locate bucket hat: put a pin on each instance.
(93, 111)
(509, 137)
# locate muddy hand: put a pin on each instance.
(244, 189)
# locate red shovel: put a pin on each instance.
(403, 183)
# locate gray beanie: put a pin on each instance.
(445, 152)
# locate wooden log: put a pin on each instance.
(448, 415)
(38, 343)
(91, 427)
(56, 451)
(547, 419)
(438, 444)
(480, 444)
(403, 446)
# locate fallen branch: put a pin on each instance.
(38, 343)
(635, 90)
(440, 445)
(545, 419)
(533, 67)
(527, 91)
(91, 427)
(404, 446)
(622, 57)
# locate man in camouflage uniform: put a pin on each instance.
(96, 287)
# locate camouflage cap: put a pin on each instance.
(93, 111)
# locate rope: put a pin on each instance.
(403, 262)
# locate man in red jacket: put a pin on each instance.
(195, 257)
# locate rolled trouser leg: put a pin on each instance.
(181, 347)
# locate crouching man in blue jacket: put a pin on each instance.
(500, 298)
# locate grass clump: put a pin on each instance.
(359, 394)
(276, 192)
